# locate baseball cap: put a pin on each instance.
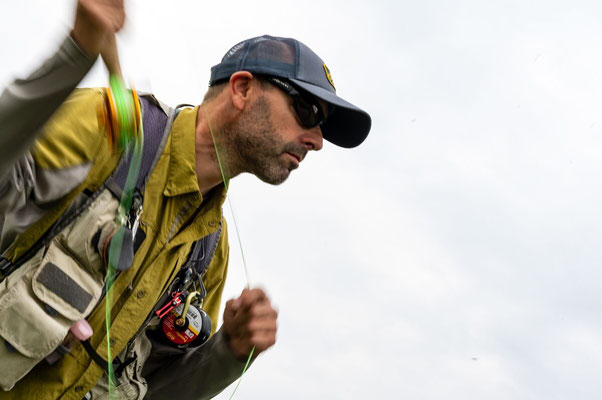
(346, 126)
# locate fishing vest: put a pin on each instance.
(53, 275)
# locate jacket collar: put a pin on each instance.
(182, 158)
(182, 177)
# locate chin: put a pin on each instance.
(274, 179)
(273, 173)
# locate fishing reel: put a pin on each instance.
(183, 322)
(120, 114)
(186, 325)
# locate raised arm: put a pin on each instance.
(26, 104)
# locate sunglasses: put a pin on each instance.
(309, 110)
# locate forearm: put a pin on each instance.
(196, 375)
(26, 104)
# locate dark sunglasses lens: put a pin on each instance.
(309, 113)
(308, 110)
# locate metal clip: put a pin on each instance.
(187, 278)
(181, 320)
(136, 220)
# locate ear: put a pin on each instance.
(240, 85)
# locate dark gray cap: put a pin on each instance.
(347, 125)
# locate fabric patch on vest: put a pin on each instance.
(63, 286)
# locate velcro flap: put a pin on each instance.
(27, 326)
(59, 283)
(66, 287)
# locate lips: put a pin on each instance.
(299, 153)
(295, 156)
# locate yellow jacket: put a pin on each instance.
(73, 145)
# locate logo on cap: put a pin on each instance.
(329, 77)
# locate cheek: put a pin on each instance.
(283, 117)
(286, 124)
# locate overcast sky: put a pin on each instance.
(456, 253)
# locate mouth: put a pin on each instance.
(297, 158)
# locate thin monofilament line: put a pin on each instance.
(221, 169)
(108, 300)
(242, 253)
(244, 263)
(243, 372)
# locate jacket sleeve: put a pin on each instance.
(201, 373)
(196, 375)
(25, 106)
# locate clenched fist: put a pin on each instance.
(250, 321)
(94, 20)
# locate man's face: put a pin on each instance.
(267, 139)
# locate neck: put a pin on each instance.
(208, 171)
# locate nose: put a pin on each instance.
(312, 138)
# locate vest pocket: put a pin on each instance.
(37, 311)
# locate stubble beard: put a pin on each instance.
(253, 145)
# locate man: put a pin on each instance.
(271, 100)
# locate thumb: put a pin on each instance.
(236, 304)
(230, 310)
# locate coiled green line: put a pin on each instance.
(126, 138)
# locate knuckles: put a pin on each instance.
(251, 321)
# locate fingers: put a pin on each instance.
(250, 321)
(248, 297)
(229, 312)
(251, 311)
(94, 19)
(108, 15)
(259, 317)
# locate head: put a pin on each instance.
(282, 104)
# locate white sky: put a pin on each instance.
(456, 254)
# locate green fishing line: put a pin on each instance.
(243, 372)
(126, 139)
(124, 106)
(226, 180)
(244, 263)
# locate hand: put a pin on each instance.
(95, 19)
(250, 321)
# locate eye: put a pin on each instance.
(306, 111)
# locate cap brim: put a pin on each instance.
(348, 126)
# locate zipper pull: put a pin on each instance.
(136, 221)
